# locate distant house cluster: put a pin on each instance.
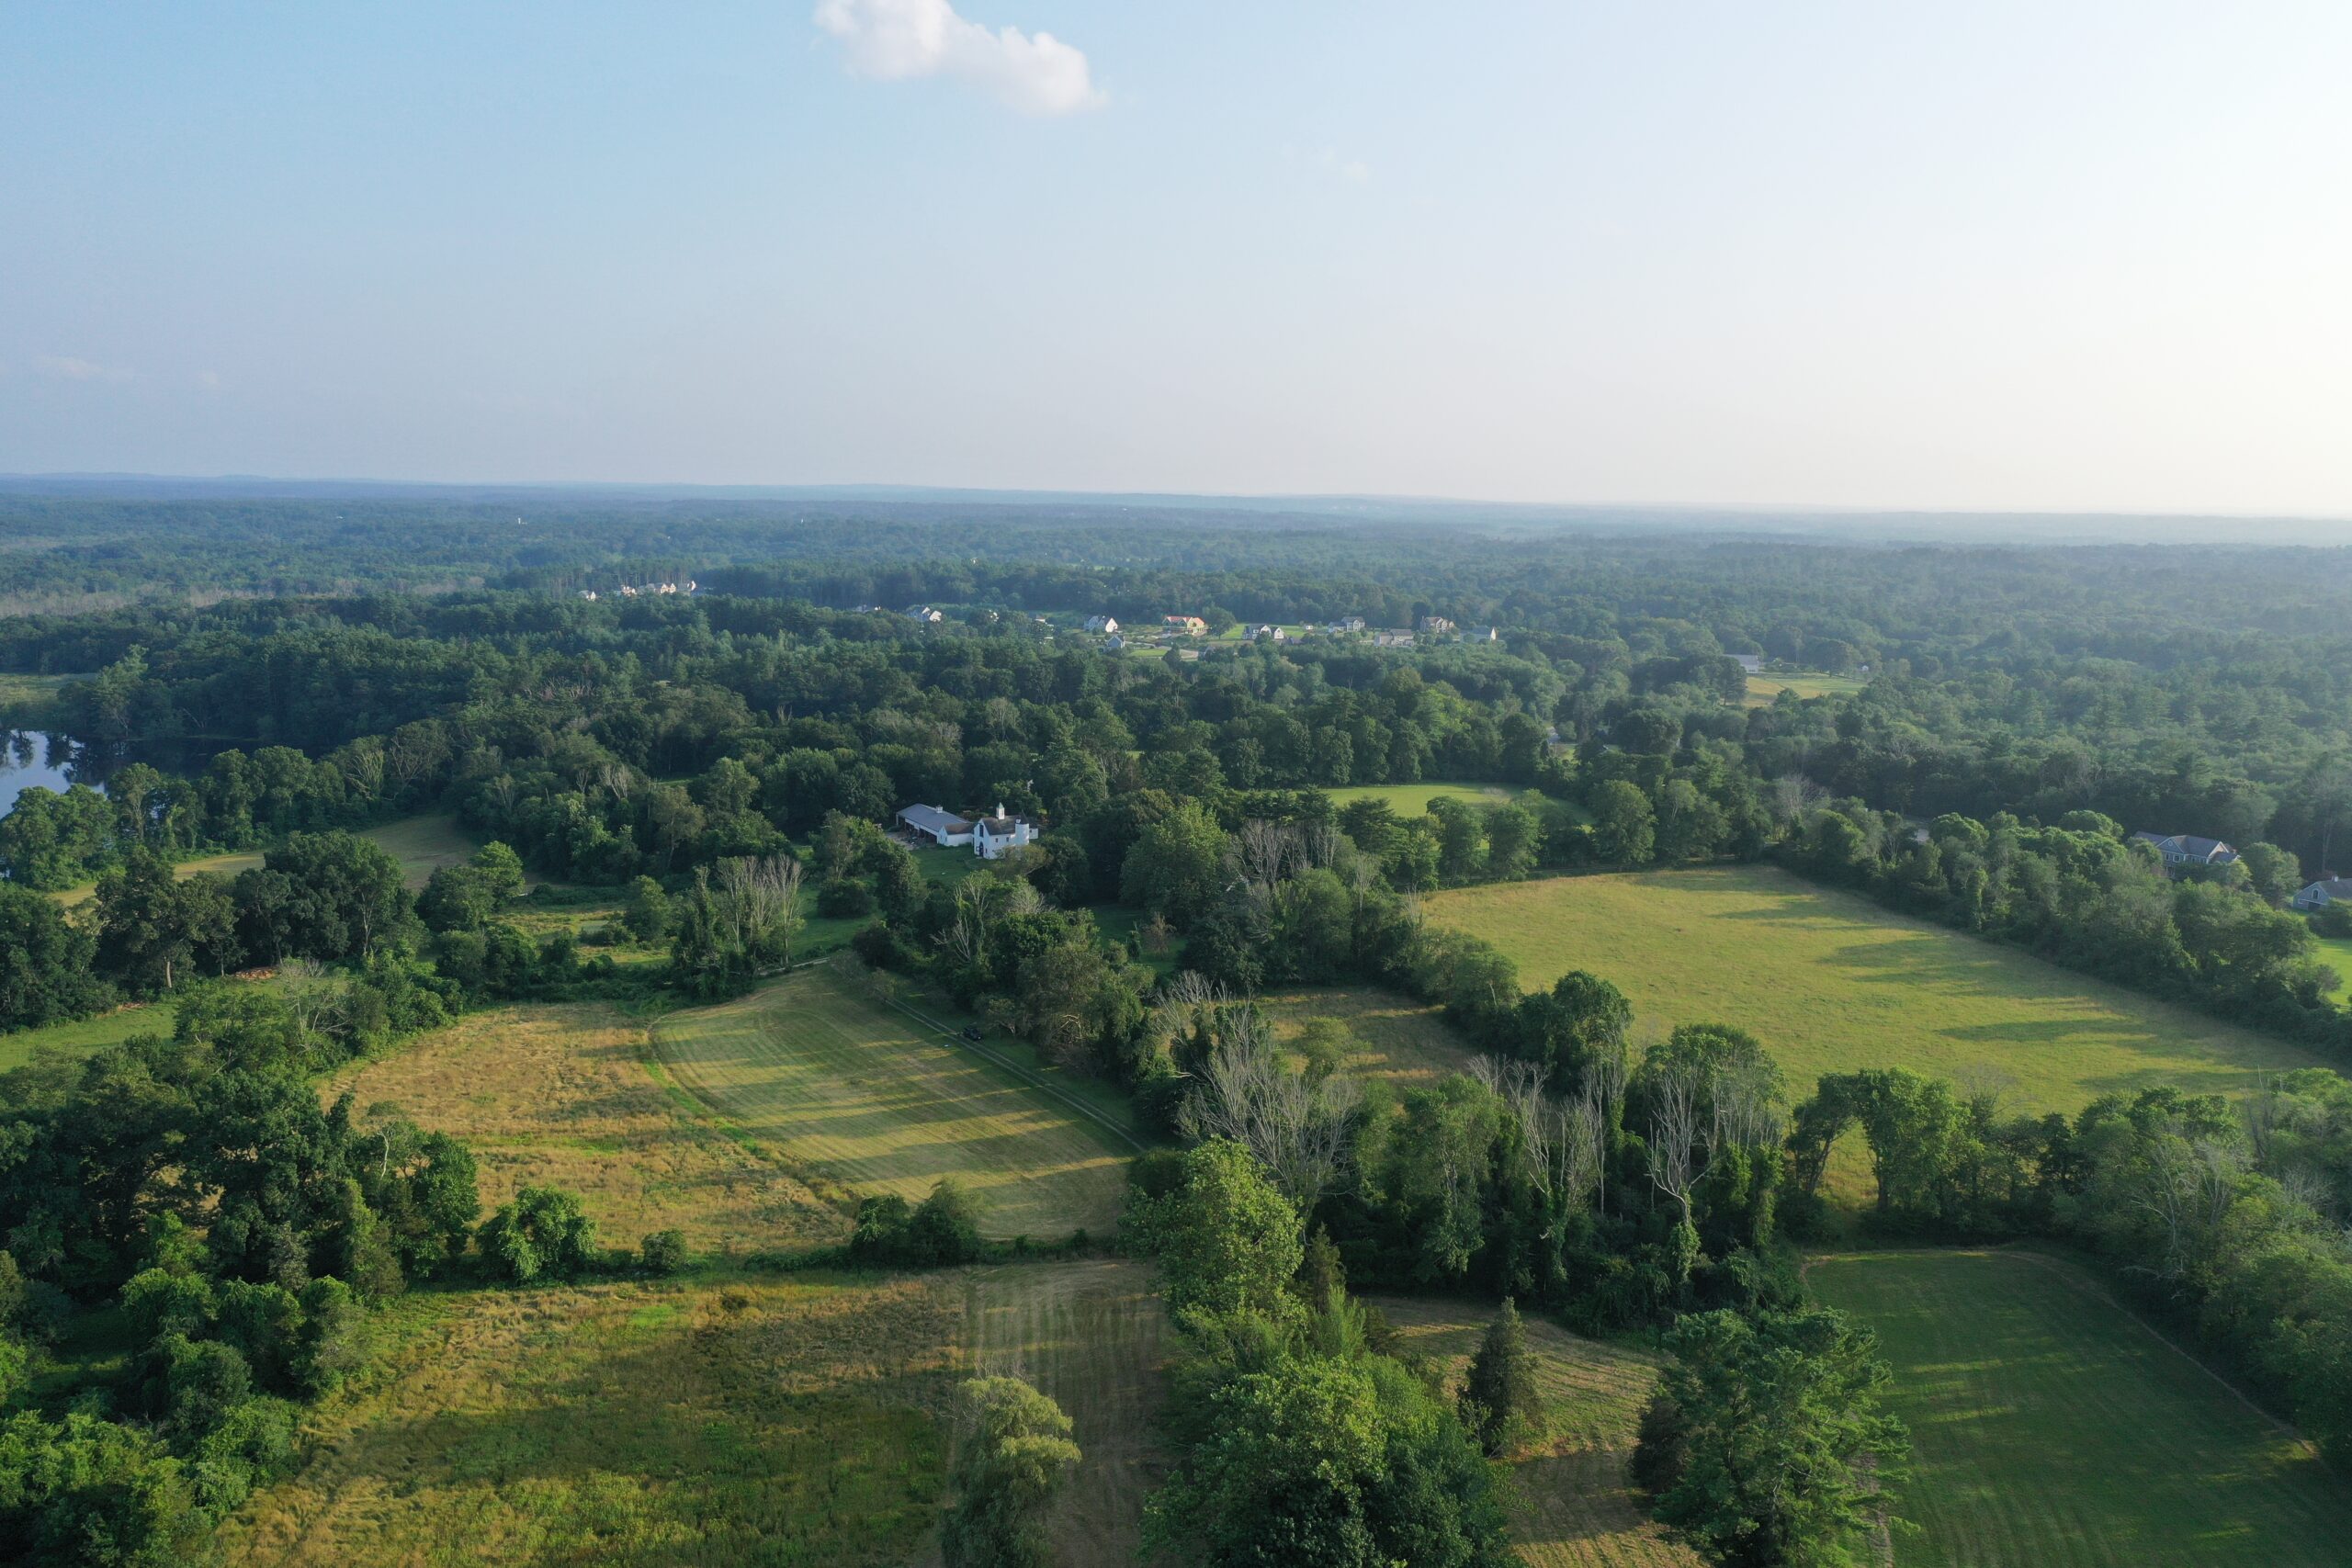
(1269, 633)
(989, 836)
(645, 589)
(1184, 626)
(1434, 626)
(1105, 625)
(924, 615)
(2183, 851)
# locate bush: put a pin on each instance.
(2333, 920)
(844, 898)
(664, 1252)
(541, 1233)
(943, 1230)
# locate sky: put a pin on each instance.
(2005, 256)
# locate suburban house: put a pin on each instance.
(942, 827)
(2320, 894)
(1185, 625)
(1392, 639)
(1435, 625)
(1114, 643)
(924, 613)
(1752, 662)
(1345, 625)
(992, 836)
(2184, 850)
(1103, 623)
(1266, 634)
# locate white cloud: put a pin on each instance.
(891, 40)
(66, 368)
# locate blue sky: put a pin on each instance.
(1995, 256)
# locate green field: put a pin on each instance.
(1413, 800)
(1399, 1038)
(2053, 1428)
(1570, 1507)
(795, 1423)
(1763, 689)
(422, 845)
(812, 1065)
(2335, 952)
(86, 1035)
(1830, 983)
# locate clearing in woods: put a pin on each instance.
(867, 1094)
(1831, 983)
(794, 1423)
(1570, 1506)
(1400, 1039)
(2051, 1427)
(568, 1095)
(422, 845)
(1413, 800)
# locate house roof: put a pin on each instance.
(2331, 887)
(934, 819)
(2187, 845)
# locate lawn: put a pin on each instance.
(2053, 1428)
(1413, 800)
(792, 1423)
(1094, 1337)
(812, 1065)
(570, 1095)
(1570, 1507)
(86, 1035)
(1830, 982)
(2335, 952)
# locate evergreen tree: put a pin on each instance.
(1499, 1403)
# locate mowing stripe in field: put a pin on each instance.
(2054, 1428)
(836, 1081)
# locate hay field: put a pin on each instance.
(1570, 1507)
(1413, 800)
(1764, 690)
(811, 1066)
(1831, 982)
(570, 1095)
(2053, 1428)
(1401, 1039)
(794, 1423)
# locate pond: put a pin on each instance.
(29, 759)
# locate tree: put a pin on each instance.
(1499, 1403)
(647, 915)
(542, 1233)
(152, 927)
(1625, 829)
(1015, 1455)
(1226, 1239)
(48, 965)
(1176, 867)
(347, 895)
(1767, 1448)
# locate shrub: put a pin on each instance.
(541, 1233)
(664, 1252)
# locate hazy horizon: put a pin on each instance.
(1824, 258)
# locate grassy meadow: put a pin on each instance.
(2335, 952)
(812, 1065)
(790, 1422)
(1399, 1038)
(422, 845)
(1570, 1507)
(1763, 690)
(2053, 1428)
(570, 1095)
(1413, 800)
(1831, 982)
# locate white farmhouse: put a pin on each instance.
(992, 836)
(1103, 623)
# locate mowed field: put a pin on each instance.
(1764, 690)
(812, 1067)
(2052, 1427)
(1413, 800)
(570, 1095)
(1570, 1507)
(1830, 982)
(1396, 1037)
(788, 1423)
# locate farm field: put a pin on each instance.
(1413, 800)
(2053, 1428)
(1401, 1039)
(1570, 1507)
(1830, 982)
(809, 1065)
(570, 1095)
(1094, 1337)
(799, 1423)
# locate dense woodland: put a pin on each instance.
(730, 761)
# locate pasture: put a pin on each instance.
(2053, 1428)
(2335, 952)
(1570, 1506)
(570, 1095)
(1764, 690)
(789, 1423)
(1831, 982)
(812, 1065)
(1413, 800)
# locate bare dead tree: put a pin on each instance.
(759, 901)
(1320, 841)
(1674, 1136)
(1264, 853)
(1793, 796)
(1741, 1111)
(1298, 1128)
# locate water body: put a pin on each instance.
(31, 759)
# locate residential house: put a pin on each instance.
(2319, 895)
(942, 827)
(1102, 623)
(2186, 851)
(1185, 625)
(1392, 639)
(992, 836)
(1752, 662)
(924, 613)
(1266, 634)
(1435, 625)
(1346, 626)
(1114, 643)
